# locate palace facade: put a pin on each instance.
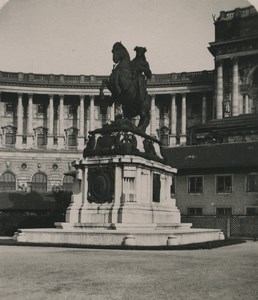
(45, 118)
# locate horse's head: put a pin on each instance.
(119, 52)
(140, 51)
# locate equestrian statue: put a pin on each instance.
(128, 84)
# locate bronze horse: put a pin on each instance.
(127, 84)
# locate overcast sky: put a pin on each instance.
(76, 36)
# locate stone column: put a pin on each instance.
(219, 92)
(246, 99)
(61, 123)
(112, 112)
(173, 124)
(19, 122)
(30, 122)
(241, 104)
(92, 113)
(153, 117)
(183, 120)
(81, 124)
(235, 88)
(204, 106)
(50, 137)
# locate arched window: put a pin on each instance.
(68, 183)
(7, 182)
(39, 183)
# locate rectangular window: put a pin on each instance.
(195, 184)
(41, 139)
(223, 211)
(9, 108)
(252, 211)
(41, 109)
(72, 140)
(9, 138)
(224, 184)
(164, 138)
(72, 110)
(194, 211)
(252, 183)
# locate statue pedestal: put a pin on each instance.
(121, 197)
(122, 190)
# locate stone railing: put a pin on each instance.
(241, 12)
(82, 80)
(201, 76)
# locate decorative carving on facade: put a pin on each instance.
(236, 47)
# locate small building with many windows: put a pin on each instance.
(216, 179)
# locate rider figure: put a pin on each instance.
(141, 70)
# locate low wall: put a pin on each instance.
(232, 226)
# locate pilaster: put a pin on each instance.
(219, 92)
(50, 138)
(92, 113)
(19, 123)
(173, 124)
(153, 126)
(61, 123)
(183, 121)
(30, 122)
(112, 112)
(235, 87)
(246, 100)
(81, 137)
(204, 109)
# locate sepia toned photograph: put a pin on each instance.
(128, 149)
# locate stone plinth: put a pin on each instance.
(124, 190)
(121, 196)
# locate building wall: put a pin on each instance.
(209, 199)
(25, 164)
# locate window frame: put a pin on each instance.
(224, 207)
(195, 208)
(224, 190)
(12, 136)
(41, 110)
(36, 184)
(189, 184)
(72, 111)
(251, 174)
(68, 184)
(256, 210)
(9, 112)
(6, 184)
(72, 139)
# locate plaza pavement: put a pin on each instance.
(229, 272)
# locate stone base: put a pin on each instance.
(121, 197)
(119, 236)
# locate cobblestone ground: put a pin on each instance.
(61, 273)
